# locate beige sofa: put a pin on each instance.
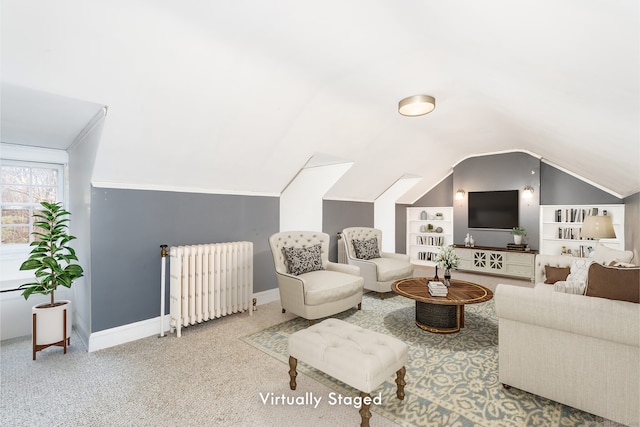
(578, 350)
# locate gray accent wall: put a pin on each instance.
(561, 188)
(506, 171)
(509, 171)
(338, 215)
(440, 195)
(128, 227)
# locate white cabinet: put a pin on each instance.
(561, 225)
(427, 231)
(497, 261)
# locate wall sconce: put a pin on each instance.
(460, 194)
(527, 193)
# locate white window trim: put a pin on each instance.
(11, 154)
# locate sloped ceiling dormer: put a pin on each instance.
(237, 96)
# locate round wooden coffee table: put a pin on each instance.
(442, 315)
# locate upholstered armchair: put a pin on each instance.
(310, 285)
(363, 247)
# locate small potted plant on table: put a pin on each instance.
(53, 261)
(518, 233)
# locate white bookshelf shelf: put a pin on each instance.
(423, 242)
(561, 225)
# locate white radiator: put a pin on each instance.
(209, 281)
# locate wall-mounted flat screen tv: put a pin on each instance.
(493, 209)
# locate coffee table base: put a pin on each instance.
(438, 318)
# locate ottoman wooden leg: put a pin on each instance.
(400, 382)
(293, 363)
(365, 413)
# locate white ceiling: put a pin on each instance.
(237, 96)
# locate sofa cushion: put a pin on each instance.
(556, 274)
(618, 283)
(577, 287)
(604, 255)
(321, 287)
(366, 249)
(390, 269)
(303, 260)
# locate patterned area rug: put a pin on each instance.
(452, 379)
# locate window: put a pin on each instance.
(23, 186)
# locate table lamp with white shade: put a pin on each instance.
(597, 227)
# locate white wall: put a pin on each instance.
(384, 211)
(301, 201)
(82, 155)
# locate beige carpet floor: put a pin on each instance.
(208, 377)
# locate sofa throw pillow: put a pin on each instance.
(604, 255)
(617, 263)
(556, 274)
(619, 283)
(366, 249)
(579, 270)
(303, 260)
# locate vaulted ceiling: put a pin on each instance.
(237, 96)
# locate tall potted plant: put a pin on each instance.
(53, 261)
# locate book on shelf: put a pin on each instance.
(437, 289)
(518, 247)
(575, 214)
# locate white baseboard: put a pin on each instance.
(126, 333)
(266, 297)
(146, 328)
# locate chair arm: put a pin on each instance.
(399, 257)
(289, 280)
(343, 268)
(368, 270)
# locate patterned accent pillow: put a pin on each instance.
(579, 270)
(366, 249)
(303, 260)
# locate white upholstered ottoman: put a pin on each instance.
(356, 356)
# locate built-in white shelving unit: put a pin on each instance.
(561, 225)
(423, 237)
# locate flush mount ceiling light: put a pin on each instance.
(416, 105)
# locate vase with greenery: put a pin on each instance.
(448, 260)
(54, 262)
(518, 233)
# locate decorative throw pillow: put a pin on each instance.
(366, 249)
(303, 260)
(617, 263)
(614, 283)
(604, 255)
(556, 274)
(579, 270)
